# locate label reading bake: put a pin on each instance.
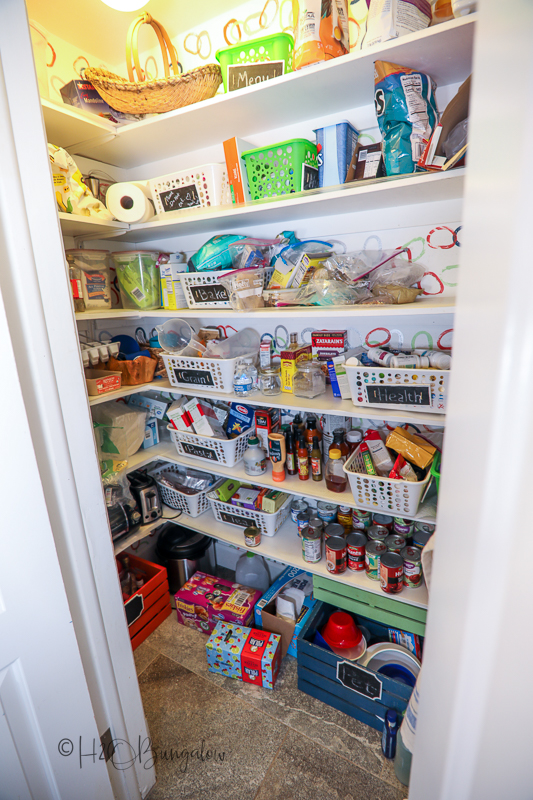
(209, 294)
(241, 75)
(399, 395)
(180, 197)
(199, 452)
(197, 377)
(359, 680)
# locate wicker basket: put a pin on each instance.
(155, 96)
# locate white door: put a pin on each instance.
(47, 726)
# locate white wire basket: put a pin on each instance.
(198, 187)
(191, 504)
(373, 493)
(268, 524)
(201, 373)
(407, 389)
(205, 448)
(203, 290)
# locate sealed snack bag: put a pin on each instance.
(321, 30)
(407, 114)
(388, 19)
(72, 195)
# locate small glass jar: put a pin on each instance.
(309, 380)
(270, 380)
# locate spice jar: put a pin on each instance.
(270, 380)
(252, 536)
(309, 380)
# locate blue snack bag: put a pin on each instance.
(407, 114)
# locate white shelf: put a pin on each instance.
(146, 530)
(422, 307)
(444, 51)
(286, 547)
(402, 190)
(324, 404)
(90, 227)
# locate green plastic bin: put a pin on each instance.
(282, 168)
(274, 48)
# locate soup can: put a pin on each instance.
(336, 555)
(302, 521)
(327, 512)
(404, 527)
(424, 527)
(412, 567)
(373, 553)
(377, 533)
(395, 543)
(311, 545)
(391, 573)
(297, 506)
(421, 538)
(333, 529)
(316, 524)
(383, 519)
(356, 544)
(361, 519)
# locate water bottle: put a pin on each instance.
(252, 571)
(246, 377)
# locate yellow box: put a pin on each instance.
(411, 447)
(289, 359)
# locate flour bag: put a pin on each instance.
(389, 19)
(407, 114)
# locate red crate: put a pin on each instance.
(156, 599)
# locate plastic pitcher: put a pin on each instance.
(178, 338)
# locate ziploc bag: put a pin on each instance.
(214, 254)
(407, 114)
(72, 195)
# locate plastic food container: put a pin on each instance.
(138, 278)
(89, 270)
(309, 380)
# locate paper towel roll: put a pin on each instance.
(130, 202)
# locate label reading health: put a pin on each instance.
(399, 395)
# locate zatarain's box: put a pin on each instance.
(247, 654)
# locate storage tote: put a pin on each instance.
(191, 504)
(407, 389)
(281, 169)
(268, 524)
(206, 448)
(197, 187)
(203, 290)
(395, 497)
(240, 63)
(211, 373)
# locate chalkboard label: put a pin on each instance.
(199, 452)
(196, 377)
(399, 395)
(233, 519)
(309, 177)
(180, 197)
(359, 680)
(211, 293)
(134, 608)
(241, 75)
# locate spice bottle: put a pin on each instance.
(303, 460)
(298, 423)
(336, 480)
(291, 463)
(316, 461)
(339, 443)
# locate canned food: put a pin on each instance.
(327, 512)
(424, 527)
(336, 555)
(395, 543)
(373, 553)
(355, 545)
(377, 533)
(383, 519)
(297, 507)
(316, 524)
(302, 521)
(311, 545)
(334, 529)
(252, 536)
(391, 573)
(412, 567)
(361, 516)
(420, 538)
(404, 527)
(344, 517)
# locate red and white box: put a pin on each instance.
(204, 419)
(179, 417)
(266, 421)
(327, 344)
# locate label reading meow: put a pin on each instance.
(240, 75)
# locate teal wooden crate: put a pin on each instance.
(379, 607)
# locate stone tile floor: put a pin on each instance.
(235, 741)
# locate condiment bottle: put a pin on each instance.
(303, 460)
(297, 424)
(353, 440)
(339, 443)
(311, 433)
(336, 480)
(291, 463)
(316, 461)
(254, 458)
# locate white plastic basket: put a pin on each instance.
(203, 290)
(198, 187)
(205, 448)
(268, 524)
(191, 504)
(386, 387)
(373, 493)
(204, 373)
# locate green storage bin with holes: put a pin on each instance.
(276, 50)
(282, 168)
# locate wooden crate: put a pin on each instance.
(319, 671)
(378, 607)
(156, 599)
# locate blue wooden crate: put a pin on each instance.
(320, 672)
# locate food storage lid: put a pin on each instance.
(135, 253)
(85, 252)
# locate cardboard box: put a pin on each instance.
(151, 433)
(205, 600)
(327, 344)
(157, 408)
(227, 489)
(82, 94)
(265, 610)
(179, 416)
(367, 163)
(240, 419)
(236, 170)
(245, 654)
(411, 447)
(245, 498)
(171, 288)
(272, 501)
(100, 381)
(338, 377)
(204, 419)
(289, 359)
(291, 276)
(266, 421)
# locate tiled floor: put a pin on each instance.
(235, 741)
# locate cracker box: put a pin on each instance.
(246, 654)
(205, 600)
(265, 609)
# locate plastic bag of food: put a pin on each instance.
(356, 265)
(119, 429)
(389, 19)
(407, 114)
(321, 30)
(323, 290)
(72, 195)
(252, 252)
(289, 267)
(214, 254)
(396, 279)
(244, 288)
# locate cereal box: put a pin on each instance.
(247, 654)
(205, 600)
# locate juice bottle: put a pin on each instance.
(336, 480)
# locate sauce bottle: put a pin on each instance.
(303, 460)
(339, 443)
(336, 480)
(311, 433)
(316, 461)
(291, 464)
(353, 440)
(298, 424)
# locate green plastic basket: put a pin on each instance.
(282, 168)
(435, 469)
(277, 47)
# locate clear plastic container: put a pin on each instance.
(138, 279)
(91, 268)
(252, 571)
(309, 380)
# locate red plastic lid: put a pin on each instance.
(341, 631)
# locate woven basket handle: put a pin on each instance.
(168, 50)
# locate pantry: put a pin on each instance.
(474, 285)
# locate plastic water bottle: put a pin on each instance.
(252, 571)
(246, 378)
